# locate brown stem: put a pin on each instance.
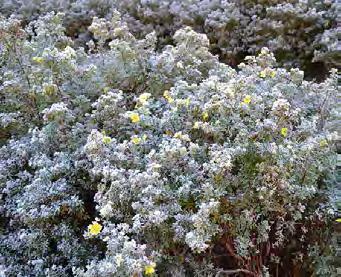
(231, 252)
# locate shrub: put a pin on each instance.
(300, 33)
(127, 161)
(296, 31)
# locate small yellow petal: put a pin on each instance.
(247, 99)
(196, 125)
(38, 59)
(168, 97)
(272, 73)
(262, 74)
(323, 143)
(134, 117)
(187, 102)
(338, 220)
(95, 228)
(205, 116)
(284, 132)
(106, 140)
(168, 132)
(178, 135)
(135, 140)
(150, 269)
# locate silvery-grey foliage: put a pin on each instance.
(123, 160)
(299, 32)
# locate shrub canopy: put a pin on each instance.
(123, 160)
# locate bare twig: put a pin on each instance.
(234, 271)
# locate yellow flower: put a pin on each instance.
(166, 95)
(338, 220)
(323, 143)
(144, 97)
(284, 132)
(178, 135)
(181, 136)
(144, 137)
(38, 59)
(150, 269)
(262, 74)
(135, 140)
(247, 99)
(95, 228)
(106, 140)
(196, 125)
(168, 132)
(205, 116)
(134, 117)
(272, 73)
(187, 102)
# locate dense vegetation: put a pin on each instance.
(139, 138)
